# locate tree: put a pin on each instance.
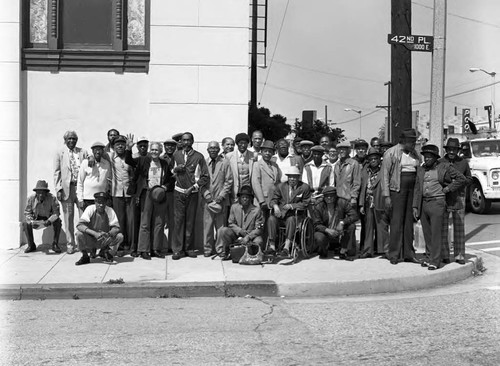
(318, 130)
(273, 127)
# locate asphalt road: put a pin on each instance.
(483, 231)
(453, 325)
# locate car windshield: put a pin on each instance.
(486, 148)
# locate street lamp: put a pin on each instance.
(492, 74)
(358, 111)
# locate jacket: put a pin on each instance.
(221, 182)
(233, 158)
(450, 179)
(141, 167)
(196, 172)
(299, 200)
(264, 179)
(252, 222)
(62, 171)
(326, 179)
(391, 169)
(348, 179)
(378, 199)
(454, 202)
(343, 212)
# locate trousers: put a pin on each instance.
(123, 207)
(458, 220)
(226, 237)
(432, 225)
(184, 220)
(212, 222)
(273, 224)
(377, 232)
(68, 209)
(152, 223)
(28, 230)
(88, 242)
(322, 241)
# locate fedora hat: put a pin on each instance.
(409, 133)
(344, 144)
(158, 194)
(267, 145)
(246, 190)
(293, 170)
(41, 185)
(373, 151)
(430, 149)
(452, 142)
(214, 207)
(97, 144)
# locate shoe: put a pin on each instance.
(342, 256)
(70, 249)
(101, 253)
(270, 251)
(432, 267)
(158, 254)
(207, 254)
(285, 253)
(446, 260)
(30, 248)
(146, 256)
(55, 248)
(350, 259)
(424, 264)
(225, 257)
(367, 255)
(191, 254)
(108, 257)
(460, 261)
(177, 255)
(83, 260)
(134, 254)
(323, 256)
(394, 261)
(412, 260)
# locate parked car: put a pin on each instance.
(483, 156)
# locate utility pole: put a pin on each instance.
(437, 75)
(326, 115)
(253, 65)
(389, 121)
(400, 70)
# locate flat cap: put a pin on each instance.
(142, 139)
(318, 148)
(97, 144)
(267, 145)
(306, 142)
(344, 144)
(329, 191)
(373, 151)
(360, 143)
(101, 196)
(119, 138)
(170, 141)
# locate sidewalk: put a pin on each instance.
(45, 275)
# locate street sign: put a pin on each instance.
(413, 42)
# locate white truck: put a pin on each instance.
(483, 155)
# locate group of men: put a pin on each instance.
(247, 192)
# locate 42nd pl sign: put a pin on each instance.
(413, 42)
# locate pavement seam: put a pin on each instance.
(12, 256)
(104, 276)
(51, 268)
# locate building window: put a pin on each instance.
(86, 35)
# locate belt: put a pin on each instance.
(183, 190)
(72, 183)
(433, 198)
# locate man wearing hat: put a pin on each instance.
(142, 146)
(372, 207)
(384, 146)
(42, 210)
(66, 168)
(318, 173)
(170, 146)
(216, 196)
(241, 163)
(347, 175)
(305, 147)
(98, 228)
(123, 203)
(334, 223)
(361, 146)
(93, 179)
(455, 204)
(399, 168)
(288, 196)
(245, 224)
(434, 183)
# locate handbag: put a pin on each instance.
(253, 255)
(237, 250)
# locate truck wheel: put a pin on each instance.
(478, 203)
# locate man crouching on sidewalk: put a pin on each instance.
(98, 228)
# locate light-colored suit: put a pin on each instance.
(264, 179)
(233, 158)
(62, 182)
(221, 183)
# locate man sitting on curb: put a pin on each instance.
(333, 221)
(42, 210)
(245, 224)
(98, 228)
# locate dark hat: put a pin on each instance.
(170, 141)
(119, 138)
(158, 194)
(386, 144)
(373, 151)
(267, 145)
(431, 149)
(306, 142)
(360, 143)
(97, 144)
(329, 191)
(177, 137)
(409, 133)
(344, 144)
(214, 207)
(452, 142)
(101, 196)
(245, 190)
(240, 137)
(297, 139)
(41, 185)
(318, 148)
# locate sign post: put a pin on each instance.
(413, 42)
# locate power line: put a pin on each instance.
(461, 93)
(358, 118)
(460, 16)
(274, 51)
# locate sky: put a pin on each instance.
(335, 53)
